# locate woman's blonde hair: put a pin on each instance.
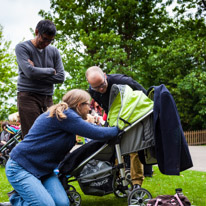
(71, 99)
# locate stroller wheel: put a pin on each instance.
(3, 160)
(139, 197)
(74, 198)
(118, 188)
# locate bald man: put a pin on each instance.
(101, 83)
(100, 86)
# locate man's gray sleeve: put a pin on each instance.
(31, 72)
(60, 75)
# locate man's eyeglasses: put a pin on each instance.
(46, 39)
(100, 86)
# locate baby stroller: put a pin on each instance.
(6, 149)
(93, 164)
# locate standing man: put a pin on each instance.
(40, 67)
(100, 86)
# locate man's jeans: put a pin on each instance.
(32, 191)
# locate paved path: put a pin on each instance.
(198, 154)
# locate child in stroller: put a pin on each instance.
(10, 136)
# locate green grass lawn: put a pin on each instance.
(193, 184)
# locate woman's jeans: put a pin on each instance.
(32, 191)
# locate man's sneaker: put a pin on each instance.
(5, 204)
(136, 186)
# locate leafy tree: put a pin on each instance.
(182, 58)
(190, 9)
(193, 88)
(8, 75)
(175, 66)
(137, 38)
(111, 34)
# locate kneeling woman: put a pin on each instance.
(53, 134)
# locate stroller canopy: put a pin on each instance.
(126, 106)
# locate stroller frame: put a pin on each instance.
(135, 197)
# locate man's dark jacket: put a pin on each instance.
(103, 99)
(172, 151)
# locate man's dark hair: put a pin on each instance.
(46, 27)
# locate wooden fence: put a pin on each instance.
(196, 137)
